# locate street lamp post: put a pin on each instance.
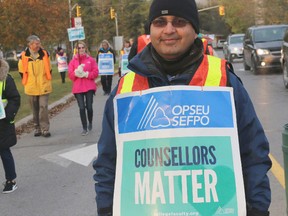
(116, 24)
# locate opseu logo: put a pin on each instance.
(155, 116)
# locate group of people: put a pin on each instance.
(35, 70)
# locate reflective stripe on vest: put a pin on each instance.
(211, 72)
(205, 45)
(143, 41)
(132, 82)
(2, 87)
(210, 48)
(25, 60)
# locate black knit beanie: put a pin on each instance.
(186, 9)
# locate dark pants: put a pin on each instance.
(106, 82)
(85, 102)
(8, 164)
(63, 75)
(39, 105)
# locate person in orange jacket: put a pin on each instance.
(207, 48)
(35, 69)
(140, 43)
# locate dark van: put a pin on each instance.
(284, 59)
(262, 47)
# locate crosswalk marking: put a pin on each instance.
(80, 154)
(83, 156)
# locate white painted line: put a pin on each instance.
(83, 156)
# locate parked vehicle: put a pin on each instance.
(220, 43)
(262, 47)
(233, 47)
(218, 40)
(284, 59)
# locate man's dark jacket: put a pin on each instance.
(7, 127)
(254, 147)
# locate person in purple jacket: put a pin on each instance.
(83, 70)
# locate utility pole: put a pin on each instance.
(70, 21)
(113, 15)
(116, 24)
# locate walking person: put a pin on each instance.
(83, 71)
(125, 51)
(175, 57)
(62, 64)
(11, 103)
(106, 80)
(35, 69)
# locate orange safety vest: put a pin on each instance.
(211, 72)
(143, 41)
(205, 45)
(210, 48)
(25, 60)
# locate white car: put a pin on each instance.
(233, 47)
(220, 43)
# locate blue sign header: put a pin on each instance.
(175, 109)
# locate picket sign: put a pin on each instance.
(178, 153)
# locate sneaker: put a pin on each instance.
(37, 133)
(84, 133)
(90, 126)
(9, 187)
(46, 134)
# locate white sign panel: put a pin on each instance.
(106, 64)
(2, 110)
(124, 63)
(77, 22)
(178, 153)
(75, 34)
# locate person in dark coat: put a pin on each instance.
(11, 103)
(175, 57)
(106, 80)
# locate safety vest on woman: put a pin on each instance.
(2, 88)
(211, 72)
(205, 45)
(142, 42)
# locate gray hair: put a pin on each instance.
(32, 38)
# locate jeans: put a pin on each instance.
(85, 102)
(106, 82)
(63, 75)
(8, 164)
(39, 105)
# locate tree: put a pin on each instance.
(133, 15)
(241, 15)
(20, 18)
